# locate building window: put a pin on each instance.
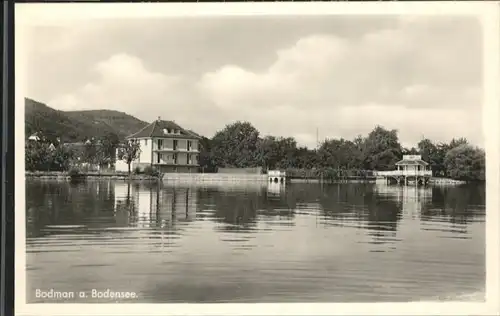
(175, 158)
(158, 156)
(189, 144)
(188, 159)
(175, 144)
(160, 143)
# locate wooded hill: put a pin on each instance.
(76, 126)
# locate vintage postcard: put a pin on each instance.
(268, 158)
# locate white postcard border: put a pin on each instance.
(56, 14)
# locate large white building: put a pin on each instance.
(165, 146)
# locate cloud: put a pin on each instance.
(345, 86)
(421, 76)
(123, 83)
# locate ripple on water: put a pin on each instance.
(344, 243)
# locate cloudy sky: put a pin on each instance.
(288, 76)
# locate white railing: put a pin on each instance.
(276, 173)
(393, 173)
(182, 150)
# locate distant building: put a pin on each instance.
(412, 163)
(34, 137)
(411, 169)
(165, 146)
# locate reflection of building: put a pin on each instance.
(121, 191)
(156, 206)
(178, 203)
(411, 198)
(275, 189)
(165, 146)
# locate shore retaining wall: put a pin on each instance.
(213, 178)
(445, 181)
(210, 178)
(58, 175)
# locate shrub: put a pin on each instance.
(137, 170)
(74, 173)
(150, 171)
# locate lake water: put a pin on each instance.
(255, 243)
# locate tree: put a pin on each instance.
(61, 158)
(37, 156)
(277, 152)
(465, 162)
(438, 153)
(236, 146)
(382, 149)
(40, 156)
(338, 153)
(433, 154)
(455, 142)
(205, 157)
(128, 152)
(268, 155)
(90, 151)
(410, 151)
(106, 150)
(305, 158)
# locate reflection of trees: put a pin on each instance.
(382, 216)
(343, 203)
(239, 209)
(106, 204)
(60, 203)
(457, 205)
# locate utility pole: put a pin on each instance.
(317, 138)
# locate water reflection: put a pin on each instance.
(379, 209)
(301, 238)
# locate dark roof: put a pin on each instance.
(412, 162)
(156, 128)
(194, 134)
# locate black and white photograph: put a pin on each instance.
(327, 156)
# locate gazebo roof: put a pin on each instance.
(411, 162)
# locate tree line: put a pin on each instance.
(48, 154)
(240, 145)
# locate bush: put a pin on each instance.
(137, 170)
(74, 172)
(150, 171)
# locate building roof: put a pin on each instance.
(194, 134)
(156, 129)
(411, 162)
